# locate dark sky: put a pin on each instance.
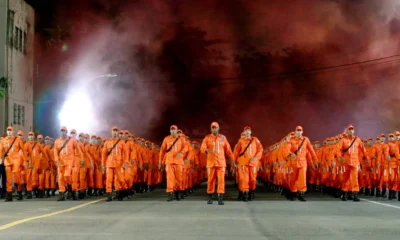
(271, 65)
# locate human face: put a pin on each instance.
(63, 134)
(173, 132)
(214, 129)
(299, 133)
(247, 133)
(114, 133)
(351, 132)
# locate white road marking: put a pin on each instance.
(379, 203)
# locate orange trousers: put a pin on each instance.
(350, 179)
(90, 177)
(384, 178)
(174, 177)
(82, 179)
(50, 179)
(298, 181)
(98, 176)
(214, 174)
(42, 179)
(247, 178)
(393, 175)
(115, 176)
(13, 172)
(129, 177)
(61, 172)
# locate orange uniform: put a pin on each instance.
(247, 155)
(216, 147)
(173, 148)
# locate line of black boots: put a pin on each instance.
(38, 193)
(246, 196)
(180, 195)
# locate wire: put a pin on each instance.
(370, 62)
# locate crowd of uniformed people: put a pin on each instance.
(78, 165)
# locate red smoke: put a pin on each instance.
(237, 78)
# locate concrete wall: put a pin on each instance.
(3, 31)
(19, 58)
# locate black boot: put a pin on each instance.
(19, 196)
(29, 195)
(221, 199)
(372, 193)
(252, 195)
(177, 196)
(398, 196)
(73, 195)
(81, 194)
(61, 196)
(170, 197)
(378, 193)
(344, 196)
(240, 196)
(350, 195)
(210, 199)
(121, 195)
(90, 192)
(384, 193)
(53, 192)
(9, 197)
(96, 192)
(69, 194)
(47, 193)
(390, 195)
(367, 192)
(181, 194)
(109, 197)
(301, 197)
(355, 197)
(293, 196)
(245, 196)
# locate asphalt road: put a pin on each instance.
(149, 216)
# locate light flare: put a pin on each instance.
(78, 112)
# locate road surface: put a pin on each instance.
(149, 216)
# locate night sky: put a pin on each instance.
(270, 65)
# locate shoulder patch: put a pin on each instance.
(222, 138)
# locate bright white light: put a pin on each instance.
(77, 112)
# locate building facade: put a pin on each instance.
(17, 19)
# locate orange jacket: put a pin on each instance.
(394, 155)
(117, 156)
(65, 156)
(254, 150)
(218, 147)
(13, 155)
(351, 154)
(179, 147)
(295, 144)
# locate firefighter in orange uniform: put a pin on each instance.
(349, 147)
(173, 149)
(114, 161)
(10, 147)
(247, 154)
(217, 147)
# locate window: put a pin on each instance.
(16, 38)
(25, 42)
(20, 40)
(10, 28)
(23, 116)
(15, 113)
(19, 115)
